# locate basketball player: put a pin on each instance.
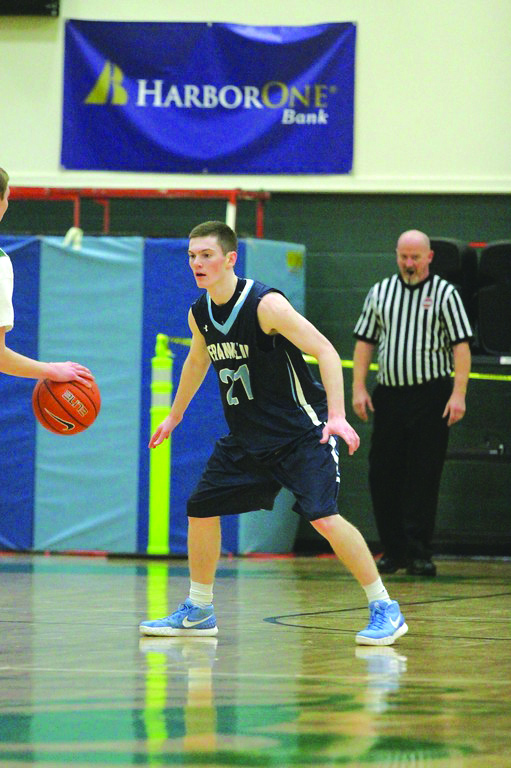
(11, 362)
(283, 430)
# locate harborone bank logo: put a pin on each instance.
(304, 105)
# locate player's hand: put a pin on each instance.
(455, 409)
(361, 401)
(339, 426)
(70, 372)
(163, 431)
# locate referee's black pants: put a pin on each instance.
(408, 447)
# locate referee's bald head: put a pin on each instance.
(414, 237)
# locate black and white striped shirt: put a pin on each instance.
(415, 328)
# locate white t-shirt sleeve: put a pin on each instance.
(6, 287)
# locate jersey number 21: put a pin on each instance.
(230, 377)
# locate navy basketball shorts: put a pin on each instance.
(235, 481)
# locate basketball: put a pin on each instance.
(65, 407)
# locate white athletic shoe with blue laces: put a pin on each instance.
(188, 620)
(386, 624)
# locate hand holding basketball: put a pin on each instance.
(70, 372)
(66, 407)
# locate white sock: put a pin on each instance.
(201, 594)
(376, 591)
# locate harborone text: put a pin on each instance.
(272, 95)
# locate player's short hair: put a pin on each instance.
(4, 180)
(226, 236)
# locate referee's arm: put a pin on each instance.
(455, 408)
(361, 399)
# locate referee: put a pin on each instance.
(419, 324)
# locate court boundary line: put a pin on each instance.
(277, 619)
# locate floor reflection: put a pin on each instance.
(325, 721)
(385, 666)
(79, 686)
(192, 659)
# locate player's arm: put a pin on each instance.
(276, 315)
(362, 356)
(455, 408)
(194, 370)
(15, 364)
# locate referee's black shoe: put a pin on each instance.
(421, 567)
(387, 564)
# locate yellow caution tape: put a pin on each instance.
(372, 367)
(179, 340)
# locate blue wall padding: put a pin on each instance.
(169, 290)
(17, 425)
(272, 531)
(91, 312)
(267, 261)
(103, 305)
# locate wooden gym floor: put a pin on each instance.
(283, 684)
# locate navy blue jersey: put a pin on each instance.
(269, 396)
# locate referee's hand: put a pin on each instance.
(455, 409)
(361, 401)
